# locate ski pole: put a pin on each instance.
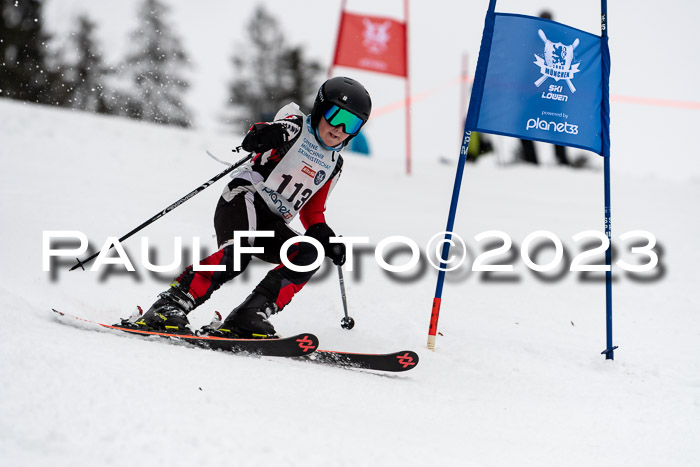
(191, 194)
(347, 322)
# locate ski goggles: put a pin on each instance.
(336, 116)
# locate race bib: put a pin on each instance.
(298, 176)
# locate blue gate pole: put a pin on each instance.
(469, 124)
(609, 351)
(435, 313)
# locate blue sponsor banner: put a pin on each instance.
(539, 80)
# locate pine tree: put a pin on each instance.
(23, 53)
(299, 77)
(87, 75)
(154, 67)
(268, 73)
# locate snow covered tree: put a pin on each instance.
(154, 67)
(23, 53)
(269, 73)
(87, 89)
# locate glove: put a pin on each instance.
(323, 233)
(264, 136)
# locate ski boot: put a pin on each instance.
(167, 314)
(249, 320)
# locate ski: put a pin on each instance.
(293, 346)
(301, 345)
(397, 361)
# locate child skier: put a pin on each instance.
(296, 165)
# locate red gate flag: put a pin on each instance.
(371, 43)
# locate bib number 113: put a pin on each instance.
(305, 194)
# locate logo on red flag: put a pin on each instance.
(372, 43)
(376, 36)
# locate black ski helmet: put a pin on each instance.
(344, 92)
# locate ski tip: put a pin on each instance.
(394, 362)
(406, 360)
(307, 343)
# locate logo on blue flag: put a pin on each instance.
(557, 62)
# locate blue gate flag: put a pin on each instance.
(539, 80)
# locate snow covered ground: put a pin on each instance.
(517, 378)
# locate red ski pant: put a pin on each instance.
(247, 212)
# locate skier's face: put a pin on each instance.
(331, 135)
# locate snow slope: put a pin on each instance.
(517, 378)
